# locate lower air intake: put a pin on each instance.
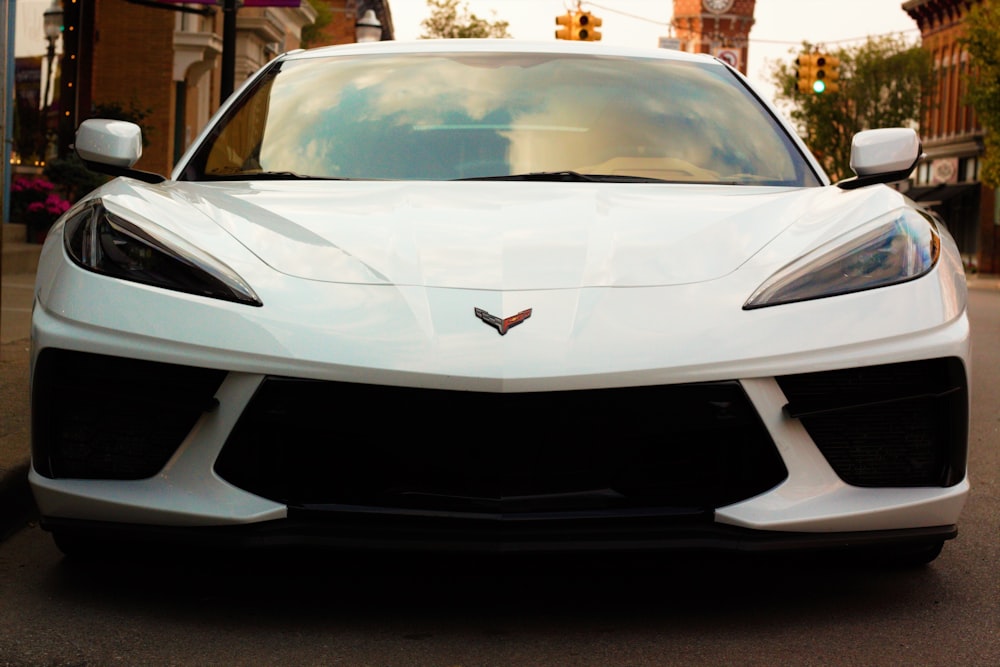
(326, 443)
(897, 425)
(101, 417)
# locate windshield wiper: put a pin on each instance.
(567, 177)
(270, 176)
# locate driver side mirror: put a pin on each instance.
(112, 147)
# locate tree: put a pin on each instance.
(881, 85)
(133, 113)
(449, 20)
(312, 34)
(983, 84)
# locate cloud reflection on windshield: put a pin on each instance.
(444, 117)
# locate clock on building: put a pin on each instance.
(717, 6)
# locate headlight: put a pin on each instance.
(104, 243)
(892, 249)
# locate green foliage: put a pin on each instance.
(133, 114)
(312, 34)
(29, 130)
(449, 20)
(983, 92)
(71, 176)
(881, 85)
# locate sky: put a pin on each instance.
(780, 25)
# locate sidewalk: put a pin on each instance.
(16, 505)
(15, 328)
(15, 499)
(988, 282)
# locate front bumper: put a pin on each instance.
(712, 454)
(624, 343)
(494, 534)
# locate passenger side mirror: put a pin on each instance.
(882, 156)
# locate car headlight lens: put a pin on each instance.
(892, 249)
(102, 242)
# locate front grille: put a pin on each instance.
(896, 425)
(103, 417)
(310, 443)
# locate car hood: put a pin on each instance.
(502, 235)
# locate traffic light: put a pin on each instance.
(579, 26)
(828, 74)
(819, 82)
(817, 73)
(565, 23)
(585, 27)
(805, 71)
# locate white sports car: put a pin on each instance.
(494, 295)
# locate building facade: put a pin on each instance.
(719, 27)
(947, 180)
(163, 60)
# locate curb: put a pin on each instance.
(984, 283)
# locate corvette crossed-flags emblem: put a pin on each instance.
(503, 325)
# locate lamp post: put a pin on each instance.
(368, 28)
(53, 20)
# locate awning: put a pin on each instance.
(930, 195)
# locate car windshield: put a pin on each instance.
(516, 116)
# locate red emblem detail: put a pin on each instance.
(503, 325)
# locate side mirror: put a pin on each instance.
(882, 156)
(112, 147)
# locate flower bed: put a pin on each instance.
(37, 203)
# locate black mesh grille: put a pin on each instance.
(102, 417)
(895, 425)
(314, 443)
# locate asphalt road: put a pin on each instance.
(316, 609)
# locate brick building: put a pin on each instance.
(718, 27)
(165, 58)
(948, 179)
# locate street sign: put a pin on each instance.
(729, 56)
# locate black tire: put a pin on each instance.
(911, 555)
(81, 547)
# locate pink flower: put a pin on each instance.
(55, 204)
(39, 185)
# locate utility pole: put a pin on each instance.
(7, 22)
(7, 13)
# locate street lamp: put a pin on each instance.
(368, 28)
(53, 22)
